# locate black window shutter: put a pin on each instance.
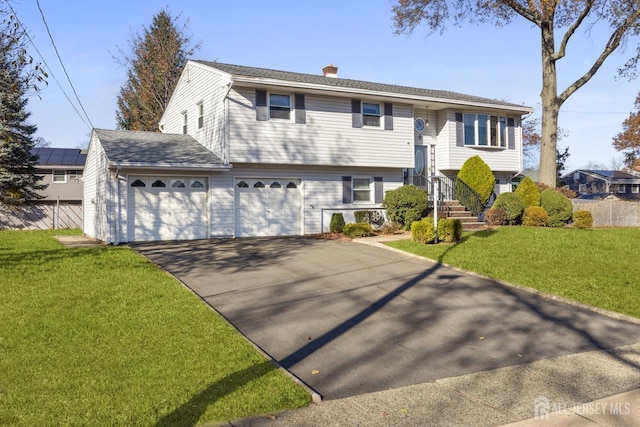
(301, 113)
(378, 194)
(356, 113)
(346, 189)
(262, 112)
(511, 133)
(459, 130)
(388, 116)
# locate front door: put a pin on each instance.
(420, 169)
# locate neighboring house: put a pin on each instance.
(602, 183)
(255, 152)
(61, 205)
(61, 169)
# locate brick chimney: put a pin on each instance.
(330, 71)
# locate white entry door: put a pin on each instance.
(162, 208)
(267, 207)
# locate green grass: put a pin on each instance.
(99, 336)
(598, 267)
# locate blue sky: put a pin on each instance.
(303, 36)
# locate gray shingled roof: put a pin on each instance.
(154, 148)
(60, 156)
(356, 85)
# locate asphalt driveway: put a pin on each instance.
(349, 319)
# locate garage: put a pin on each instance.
(267, 207)
(167, 208)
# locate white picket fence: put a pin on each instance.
(41, 216)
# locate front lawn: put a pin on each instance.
(99, 336)
(599, 267)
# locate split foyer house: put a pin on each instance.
(248, 151)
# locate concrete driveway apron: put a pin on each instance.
(349, 319)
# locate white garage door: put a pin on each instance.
(267, 207)
(164, 208)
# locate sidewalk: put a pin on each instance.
(494, 398)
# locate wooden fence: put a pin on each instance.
(610, 213)
(42, 216)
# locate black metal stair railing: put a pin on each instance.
(468, 197)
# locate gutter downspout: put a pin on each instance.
(119, 208)
(225, 134)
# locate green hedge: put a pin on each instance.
(477, 175)
(337, 223)
(557, 205)
(513, 206)
(535, 216)
(405, 205)
(358, 229)
(423, 231)
(528, 192)
(449, 230)
(582, 219)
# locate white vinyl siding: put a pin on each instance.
(199, 86)
(320, 193)
(327, 138)
(451, 157)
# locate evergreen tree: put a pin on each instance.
(153, 68)
(18, 179)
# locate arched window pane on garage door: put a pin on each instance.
(275, 184)
(292, 184)
(197, 183)
(243, 184)
(178, 183)
(258, 184)
(138, 183)
(158, 183)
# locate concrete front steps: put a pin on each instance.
(469, 221)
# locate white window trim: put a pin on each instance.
(353, 190)
(635, 188)
(200, 106)
(53, 177)
(622, 188)
(291, 107)
(502, 145)
(185, 123)
(380, 114)
(582, 188)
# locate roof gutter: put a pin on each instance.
(172, 166)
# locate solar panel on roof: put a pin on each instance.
(56, 156)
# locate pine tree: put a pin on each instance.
(18, 179)
(153, 68)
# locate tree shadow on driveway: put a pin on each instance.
(349, 319)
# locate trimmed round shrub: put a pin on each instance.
(535, 216)
(557, 205)
(423, 231)
(582, 219)
(337, 223)
(477, 175)
(405, 205)
(528, 192)
(449, 230)
(512, 205)
(495, 216)
(358, 229)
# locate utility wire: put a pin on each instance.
(44, 61)
(62, 64)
